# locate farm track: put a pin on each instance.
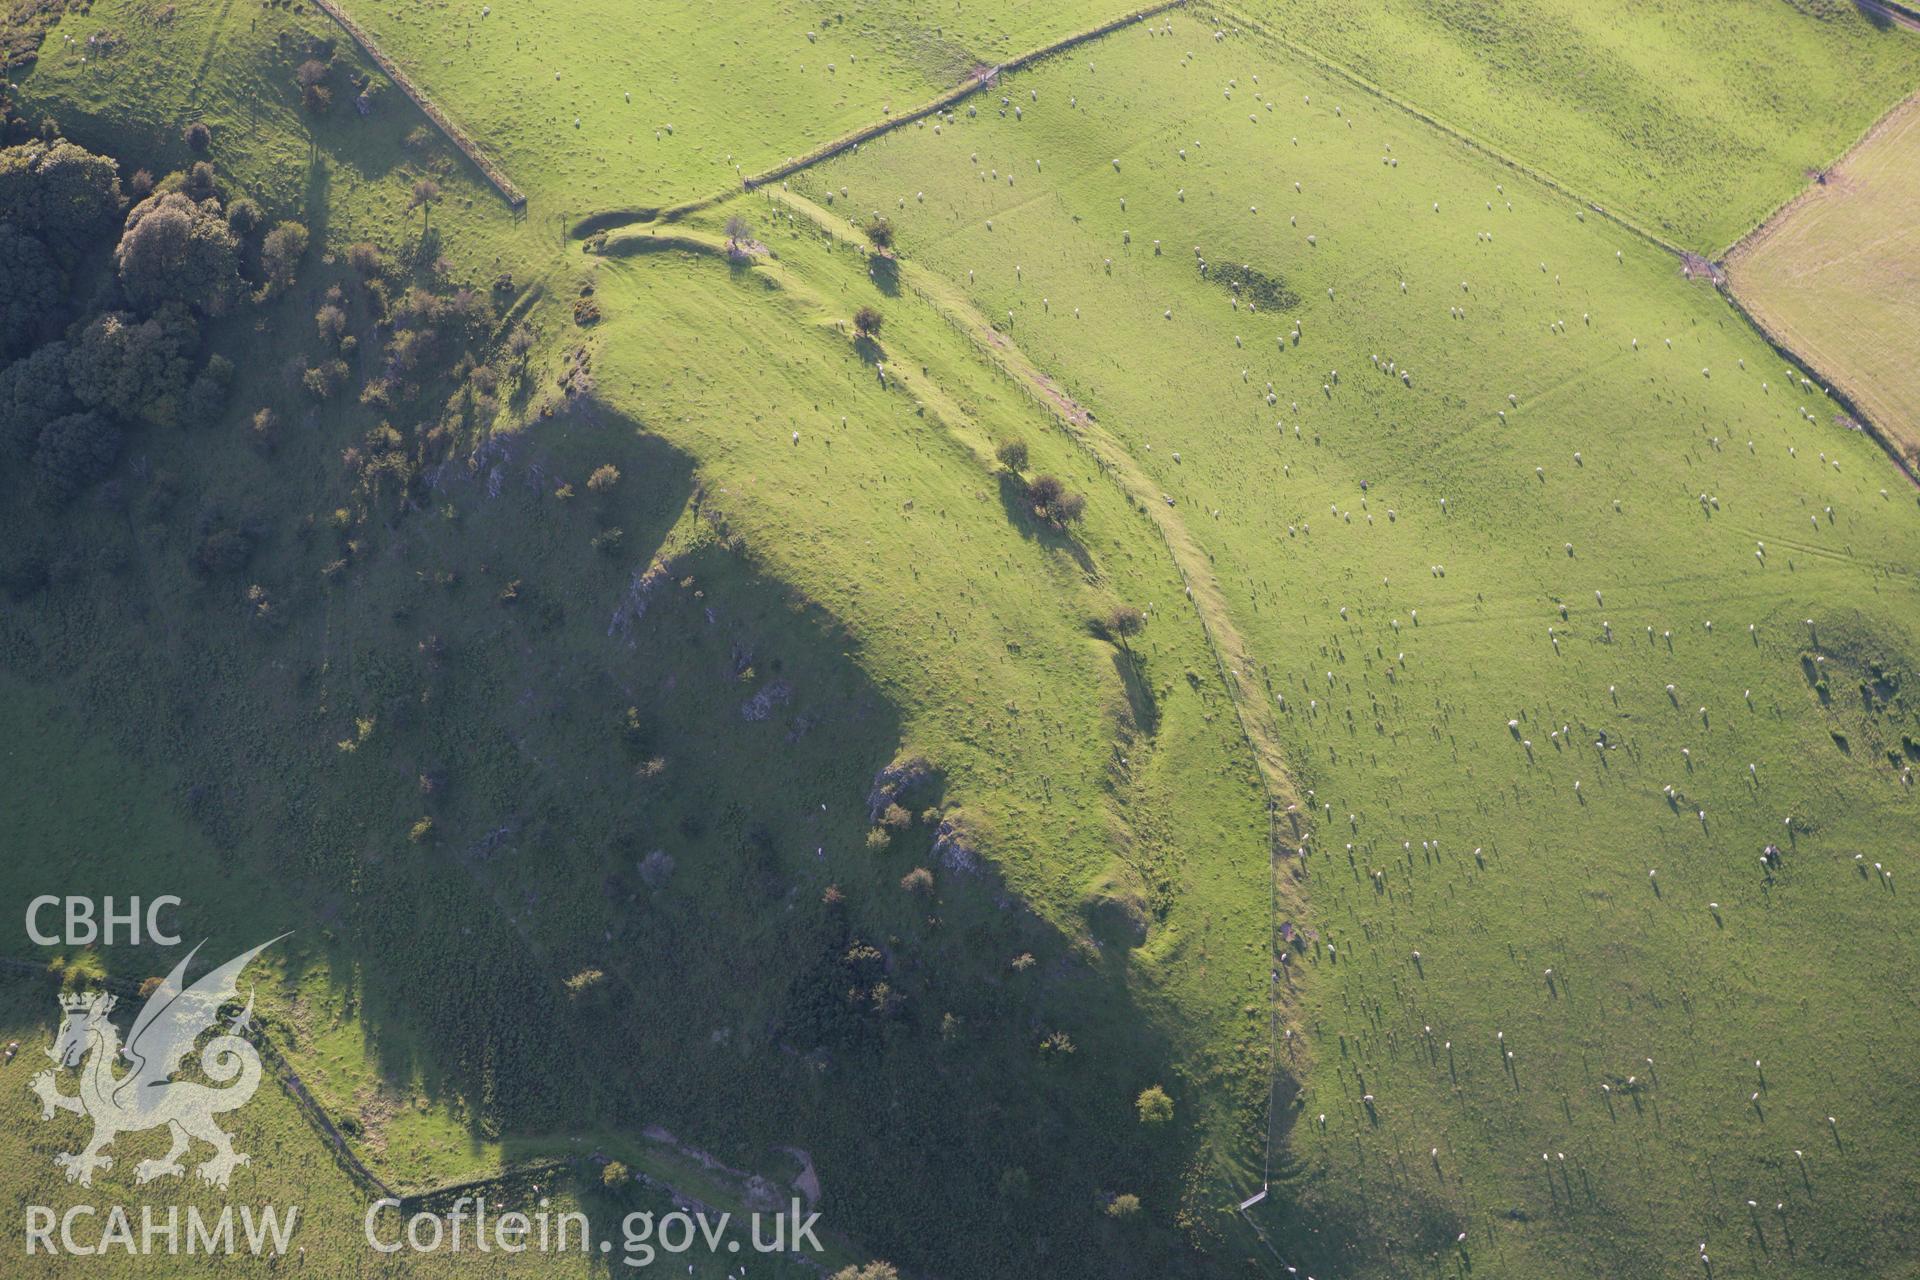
(1471, 608)
(1476, 425)
(1845, 556)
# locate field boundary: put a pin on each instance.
(1831, 388)
(1905, 454)
(607, 219)
(1899, 11)
(975, 83)
(1784, 210)
(495, 176)
(283, 1074)
(1453, 131)
(363, 1178)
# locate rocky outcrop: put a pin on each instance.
(761, 704)
(898, 779)
(951, 850)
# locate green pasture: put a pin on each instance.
(591, 104)
(1492, 865)
(470, 638)
(1693, 120)
(566, 785)
(1110, 785)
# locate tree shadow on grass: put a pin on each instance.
(1319, 1223)
(315, 208)
(1035, 527)
(1144, 706)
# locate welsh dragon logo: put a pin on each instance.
(164, 1033)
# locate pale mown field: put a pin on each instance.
(1837, 277)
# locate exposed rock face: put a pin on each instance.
(952, 851)
(761, 704)
(894, 781)
(633, 604)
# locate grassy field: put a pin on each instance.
(75, 811)
(1351, 502)
(679, 665)
(1836, 276)
(1107, 795)
(1694, 120)
(684, 103)
(1428, 481)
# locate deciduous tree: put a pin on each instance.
(133, 368)
(31, 290)
(62, 193)
(73, 452)
(175, 247)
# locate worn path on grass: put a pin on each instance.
(1258, 729)
(1230, 651)
(1203, 587)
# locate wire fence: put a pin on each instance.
(495, 176)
